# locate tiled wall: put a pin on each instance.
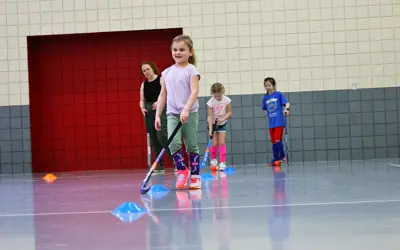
(15, 140)
(307, 45)
(323, 126)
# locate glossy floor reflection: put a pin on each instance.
(334, 206)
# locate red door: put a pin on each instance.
(84, 98)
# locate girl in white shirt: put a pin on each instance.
(220, 109)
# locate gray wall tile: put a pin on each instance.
(392, 129)
(380, 153)
(320, 144)
(309, 156)
(391, 116)
(295, 133)
(379, 105)
(367, 118)
(332, 131)
(379, 117)
(354, 95)
(247, 100)
(380, 129)
(318, 96)
(380, 141)
(367, 130)
(356, 142)
(307, 109)
(330, 96)
(368, 153)
(343, 107)
(343, 119)
(297, 156)
(6, 168)
(308, 121)
(393, 152)
(355, 119)
(333, 155)
(308, 133)
(368, 142)
(366, 94)
(367, 106)
(342, 95)
(319, 108)
(28, 167)
(344, 154)
(18, 168)
(355, 106)
(344, 131)
(390, 93)
(250, 159)
(319, 120)
(356, 154)
(295, 121)
(320, 132)
(248, 135)
(379, 93)
(306, 97)
(321, 156)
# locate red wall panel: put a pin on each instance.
(84, 97)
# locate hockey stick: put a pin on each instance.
(286, 142)
(148, 146)
(143, 188)
(203, 164)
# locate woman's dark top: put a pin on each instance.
(152, 90)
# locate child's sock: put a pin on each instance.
(194, 163)
(213, 152)
(222, 153)
(280, 150)
(179, 160)
(275, 152)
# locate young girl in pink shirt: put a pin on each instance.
(219, 109)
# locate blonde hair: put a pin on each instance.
(189, 42)
(217, 88)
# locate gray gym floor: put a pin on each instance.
(346, 206)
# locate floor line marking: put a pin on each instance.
(394, 165)
(211, 208)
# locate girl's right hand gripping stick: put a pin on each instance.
(143, 188)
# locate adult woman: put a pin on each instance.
(149, 92)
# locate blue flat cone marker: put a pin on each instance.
(129, 212)
(158, 192)
(158, 189)
(129, 218)
(229, 170)
(207, 177)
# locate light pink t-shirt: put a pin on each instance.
(219, 107)
(177, 83)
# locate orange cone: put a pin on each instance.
(49, 178)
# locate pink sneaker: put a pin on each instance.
(182, 178)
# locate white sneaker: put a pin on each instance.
(195, 182)
(214, 162)
(222, 166)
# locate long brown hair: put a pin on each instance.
(189, 42)
(152, 66)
